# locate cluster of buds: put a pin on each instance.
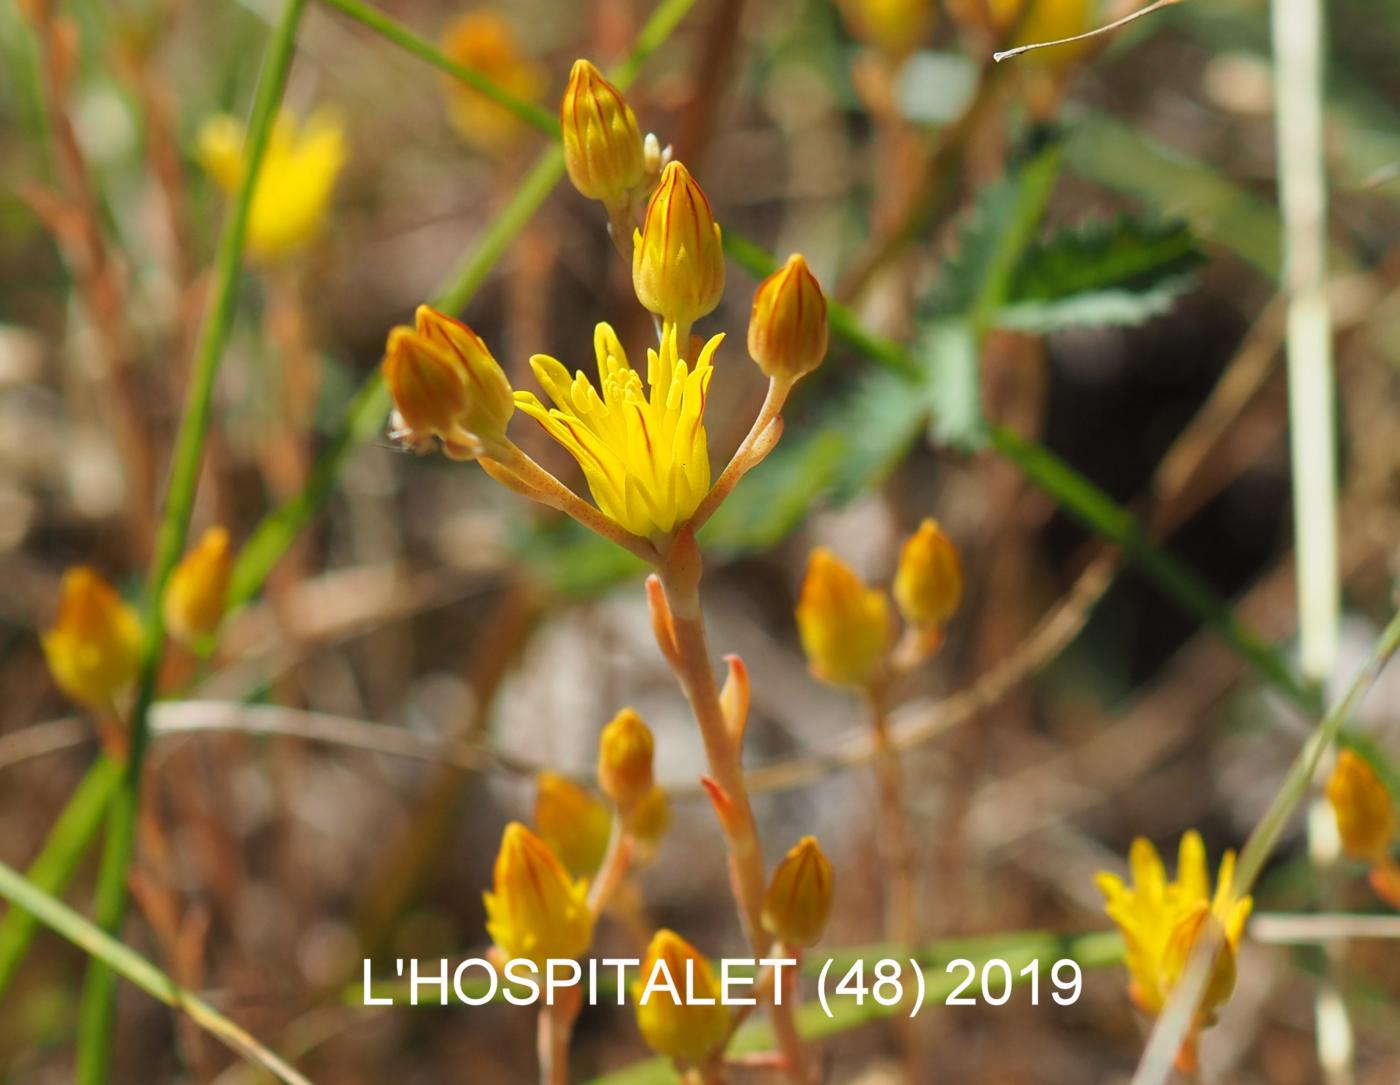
(93, 647)
(1365, 810)
(1167, 923)
(847, 628)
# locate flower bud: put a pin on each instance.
(798, 900)
(787, 328)
(677, 261)
(929, 583)
(198, 589)
(679, 1011)
(483, 41)
(625, 751)
(536, 910)
(573, 822)
(1364, 807)
(444, 381)
(895, 27)
(602, 143)
(94, 645)
(844, 626)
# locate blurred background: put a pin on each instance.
(424, 615)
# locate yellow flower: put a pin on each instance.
(602, 143)
(677, 259)
(198, 588)
(445, 382)
(625, 752)
(299, 170)
(483, 41)
(895, 27)
(845, 626)
(1364, 807)
(573, 822)
(929, 584)
(536, 911)
(94, 644)
(1162, 921)
(787, 328)
(798, 900)
(690, 1031)
(643, 452)
(1031, 21)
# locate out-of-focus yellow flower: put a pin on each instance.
(298, 174)
(1163, 921)
(483, 41)
(649, 820)
(573, 822)
(1029, 21)
(845, 626)
(1364, 807)
(677, 259)
(625, 752)
(94, 644)
(787, 328)
(602, 143)
(198, 589)
(929, 583)
(643, 452)
(445, 382)
(688, 1031)
(798, 900)
(536, 910)
(895, 27)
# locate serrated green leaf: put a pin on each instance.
(1123, 270)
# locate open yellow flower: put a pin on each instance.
(642, 449)
(537, 911)
(298, 174)
(1162, 922)
(94, 644)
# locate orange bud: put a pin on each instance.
(602, 143)
(625, 752)
(798, 900)
(677, 260)
(536, 910)
(198, 589)
(929, 584)
(573, 822)
(845, 626)
(94, 645)
(679, 1011)
(787, 328)
(1364, 807)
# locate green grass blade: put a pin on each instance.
(122, 961)
(97, 1011)
(64, 849)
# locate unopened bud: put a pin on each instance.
(573, 822)
(198, 589)
(677, 260)
(1364, 807)
(798, 900)
(536, 910)
(689, 1027)
(602, 143)
(94, 645)
(929, 583)
(845, 626)
(787, 328)
(625, 752)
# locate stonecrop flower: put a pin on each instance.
(536, 910)
(446, 384)
(294, 187)
(798, 901)
(626, 749)
(573, 822)
(603, 147)
(1163, 921)
(690, 1031)
(845, 626)
(1364, 807)
(194, 598)
(787, 327)
(928, 585)
(483, 41)
(642, 449)
(94, 644)
(677, 257)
